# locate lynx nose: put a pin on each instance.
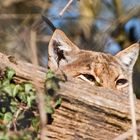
(108, 83)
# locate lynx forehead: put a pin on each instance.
(95, 68)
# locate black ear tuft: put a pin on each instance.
(48, 22)
(59, 53)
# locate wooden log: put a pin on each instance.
(87, 112)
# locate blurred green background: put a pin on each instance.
(99, 25)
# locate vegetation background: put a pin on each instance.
(99, 25)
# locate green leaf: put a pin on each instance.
(49, 109)
(1, 115)
(52, 84)
(58, 102)
(49, 74)
(8, 89)
(36, 122)
(4, 136)
(17, 89)
(28, 87)
(22, 96)
(10, 73)
(31, 93)
(48, 100)
(30, 100)
(8, 117)
(13, 103)
(3, 109)
(13, 106)
(13, 109)
(6, 82)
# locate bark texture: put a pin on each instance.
(87, 112)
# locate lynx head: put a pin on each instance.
(94, 67)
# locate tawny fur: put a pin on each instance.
(109, 71)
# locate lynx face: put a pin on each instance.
(95, 68)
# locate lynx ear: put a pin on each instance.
(61, 50)
(129, 55)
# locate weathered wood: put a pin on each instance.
(86, 112)
(90, 113)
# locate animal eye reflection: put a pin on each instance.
(121, 82)
(89, 77)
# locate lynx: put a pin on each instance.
(96, 68)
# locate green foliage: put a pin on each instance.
(24, 135)
(18, 106)
(58, 102)
(10, 73)
(7, 117)
(52, 99)
(16, 99)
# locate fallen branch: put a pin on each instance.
(87, 112)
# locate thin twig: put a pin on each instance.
(40, 95)
(15, 116)
(126, 135)
(122, 19)
(133, 131)
(65, 8)
(132, 108)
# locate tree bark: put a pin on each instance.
(87, 112)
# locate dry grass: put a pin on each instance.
(40, 94)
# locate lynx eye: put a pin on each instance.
(121, 82)
(89, 77)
